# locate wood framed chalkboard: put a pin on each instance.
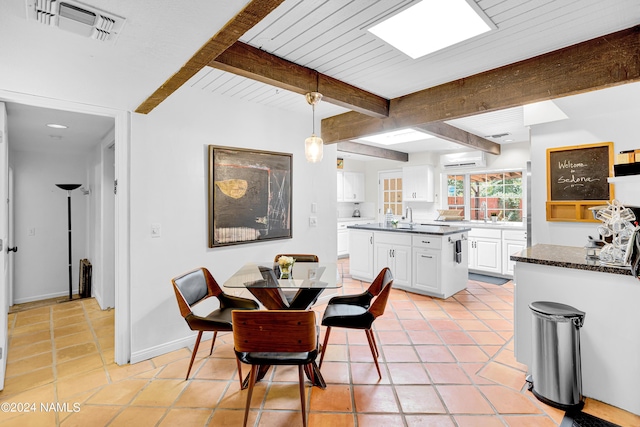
(577, 180)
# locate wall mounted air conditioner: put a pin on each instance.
(463, 160)
(77, 18)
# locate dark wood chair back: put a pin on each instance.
(277, 331)
(381, 281)
(190, 289)
(380, 302)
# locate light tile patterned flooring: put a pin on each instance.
(444, 362)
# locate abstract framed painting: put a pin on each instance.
(249, 196)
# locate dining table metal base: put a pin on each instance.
(274, 298)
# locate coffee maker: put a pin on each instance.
(356, 211)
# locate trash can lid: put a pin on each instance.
(555, 309)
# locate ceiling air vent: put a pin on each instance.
(77, 18)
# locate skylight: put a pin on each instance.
(432, 25)
(542, 112)
(396, 137)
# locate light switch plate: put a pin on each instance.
(313, 221)
(156, 229)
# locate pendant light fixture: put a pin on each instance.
(314, 144)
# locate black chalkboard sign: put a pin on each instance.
(579, 172)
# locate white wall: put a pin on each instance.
(169, 187)
(41, 263)
(609, 122)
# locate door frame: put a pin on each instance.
(122, 136)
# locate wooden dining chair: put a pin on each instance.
(194, 287)
(275, 337)
(364, 299)
(359, 316)
(290, 295)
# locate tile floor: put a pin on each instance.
(444, 362)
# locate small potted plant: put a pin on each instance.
(494, 217)
(285, 263)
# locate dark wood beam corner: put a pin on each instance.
(256, 64)
(368, 150)
(254, 12)
(453, 134)
(345, 95)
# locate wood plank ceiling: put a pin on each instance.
(329, 39)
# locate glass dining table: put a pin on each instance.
(307, 280)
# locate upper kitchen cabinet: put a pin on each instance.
(417, 183)
(350, 186)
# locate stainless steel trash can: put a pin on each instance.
(556, 376)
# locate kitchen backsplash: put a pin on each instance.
(422, 211)
(367, 209)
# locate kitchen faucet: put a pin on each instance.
(485, 211)
(408, 213)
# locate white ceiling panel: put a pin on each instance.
(330, 36)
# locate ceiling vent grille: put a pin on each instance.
(77, 18)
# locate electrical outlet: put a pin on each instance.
(156, 230)
(32, 231)
(313, 221)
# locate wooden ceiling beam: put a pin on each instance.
(252, 13)
(253, 63)
(595, 64)
(368, 150)
(451, 133)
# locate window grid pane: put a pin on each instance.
(392, 194)
(455, 193)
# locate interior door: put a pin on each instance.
(4, 228)
(390, 193)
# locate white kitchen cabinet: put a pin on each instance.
(512, 241)
(393, 250)
(350, 186)
(426, 267)
(436, 271)
(485, 250)
(361, 255)
(417, 183)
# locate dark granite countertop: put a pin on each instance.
(438, 230)
(566, 257)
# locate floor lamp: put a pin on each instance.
(69, 188)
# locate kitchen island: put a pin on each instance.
(610, 337)
(426, 259)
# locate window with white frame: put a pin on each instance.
(486, 194)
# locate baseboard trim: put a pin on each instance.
(45, 296)
(159, 350)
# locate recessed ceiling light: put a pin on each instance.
(433, 25)
(56, 126)
(396, 137)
